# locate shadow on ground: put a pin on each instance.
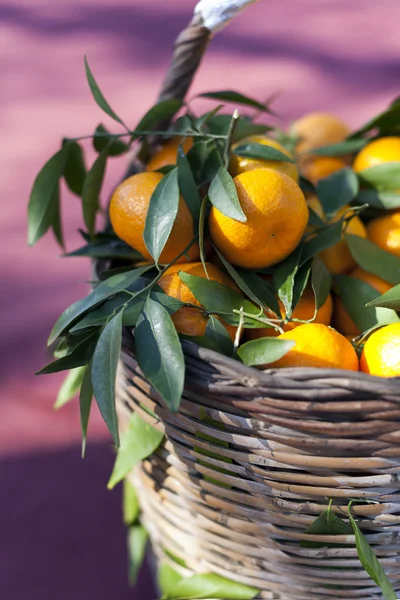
(61, 531)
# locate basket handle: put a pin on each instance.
(209, 17)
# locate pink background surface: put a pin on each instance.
(60, 529)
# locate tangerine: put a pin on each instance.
(128, 210)
(187, 320)
(318, 346)
(277, 217)
(381, 352)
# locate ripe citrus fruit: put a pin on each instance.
(318, 346)
(168, 153)
(277, 217)
(318, 129)
(379, 151)
(381, 353)
(319, 167)
(240, 164)
(304, 311)
(338, 258)
(128, 210)
(385, 232)
(190, 321)
(341, 318)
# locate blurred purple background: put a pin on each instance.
(61, 531)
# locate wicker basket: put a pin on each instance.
(252, 458)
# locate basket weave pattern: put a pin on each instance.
(251, 460)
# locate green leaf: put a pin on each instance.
(284, 277)
(340, 149)
(384, 177)
(85, 404)
(130, 503)
(56, 223)
(216, 297)
(137, 543)
(98, 95)
(235, 98)
(209, 585)
(107, 250)
(370, 562)
(386, 121)
(245, 128)
(391, 299)
(169, 303)
(355, 294)
(219, 125)
(336, 190)
(138, 442)
(212, 165)
(91, 190)
(159, 352)
(300, 282)
(160, 112)
(135, 306)
(223, 195)
(197, 157)
(161, 215)
(167, 578)
(187, 184)
(75, 170)
(323, 239)
(385, 200)
(183, 125)
(261, 151)
(328, 523)
(373, 259)
(264, 350)
(107, 288)
(216, 337)
(321, 282)
(203, 119)
(44, 198)
(100, 315)
(104, 372)
(78, 357)
(252, 285)
(70, 386)
(103, 139)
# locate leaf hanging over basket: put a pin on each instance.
(264, 350)
(75, 170)
(137, 543)
(370, 562)
(138, 442)
(104, 372)
(43, 206)
(104, 290)
(70, 387)
(159, 352)
(209, 585)
(85, 404)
